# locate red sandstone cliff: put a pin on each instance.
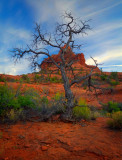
(69, 56)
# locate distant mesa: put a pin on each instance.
(79, 60)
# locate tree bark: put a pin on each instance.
(68, 93)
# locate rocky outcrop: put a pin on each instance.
(69, 56)
(81, 58)
(79, 61)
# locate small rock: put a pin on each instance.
(21, 137)
(7, 138)
(27, 146)
(83, 125)
(44, 148)
(55, 117)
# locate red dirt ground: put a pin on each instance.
(53, 88)
(60, 141)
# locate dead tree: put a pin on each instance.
(63, 35)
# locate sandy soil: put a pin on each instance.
(60, 141)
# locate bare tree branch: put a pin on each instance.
(62, 39)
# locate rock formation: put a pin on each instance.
(79, 61)
(69, 56)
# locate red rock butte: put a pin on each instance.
(79, 60)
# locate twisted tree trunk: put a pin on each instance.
(68, 94)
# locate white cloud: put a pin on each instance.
(103, 30)
(10, 68)
(106, 56)
(50, 10)
(19, 33)
(102, 10)
(116, 65)
(12, 35)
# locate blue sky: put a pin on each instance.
(103, 42)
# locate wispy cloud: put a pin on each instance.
(10, 68)
(116, 65)
(102, 10)
(107, 56)
(103, 30)
(11, 35)
(50, 10)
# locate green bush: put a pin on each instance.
(38, 79)
(13, 115)
(82, 102)
(114, 75)
(57, 102)
(97, 74)
(103, 77)
(116, 120)
(82, 113)
(25, 78)
(55, 80)
(44, 100)
(11, 102)
(54, 106)
(94, 115)
(111, 107)
(58, 96)
(9, 79)
(30, 98)
(7, 99)
(2, 79)
(114, 83)
(119, 105)
(26, 101)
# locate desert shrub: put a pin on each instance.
(103, 77)
(112, 107)
(58, 102)
(58, 72)
(25, 78)
(2, 79)
(119, 105)
(82, 102)
(7, 99)
(9, 79)
(116, 120)
(82, 113)
(14, 115)
(30, 98)
(114, 75)
(26, 101)
(44, 100)
(38, 79)
(12, 102)
(55, 80)
(85, 87)
(97, 74)
(94, 115)
(58, 96)
(31, 92)
(114, 83)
